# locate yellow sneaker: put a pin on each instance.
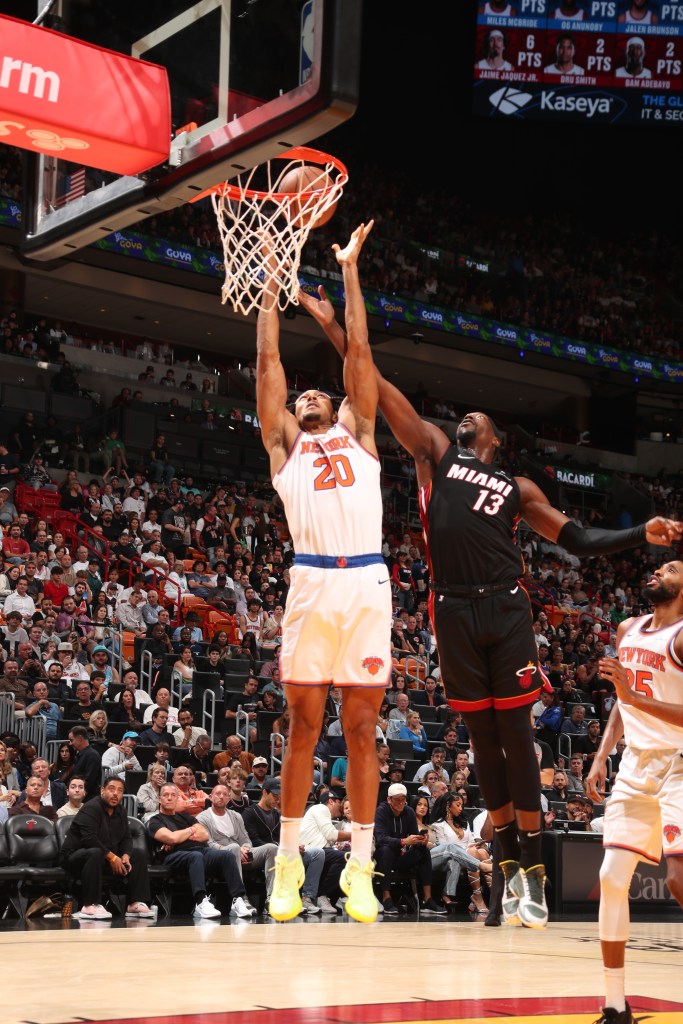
(355, 882)
(285, 899)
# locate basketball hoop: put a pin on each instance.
(252, 208)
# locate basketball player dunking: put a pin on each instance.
(337, 623)
(482, 615)
(644, 814)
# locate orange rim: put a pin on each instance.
(224, 188)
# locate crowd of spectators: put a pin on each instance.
(199, 577)
(595, 283)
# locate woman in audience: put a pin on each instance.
(103, 627)
(186, 668)
(148, 793)
(124, 710)
(8, 581)
(398, 685)
(97, 729)
(249, 650)
(444, 854)
(452, 829)
(63, 766)
(10, 790)
(414, 731)
(222, 640)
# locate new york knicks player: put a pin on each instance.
(481, 614)
(644, 814)
(337, 623)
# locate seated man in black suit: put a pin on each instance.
(429, 697)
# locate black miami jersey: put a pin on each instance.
(469, 514)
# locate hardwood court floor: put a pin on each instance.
(317, 971)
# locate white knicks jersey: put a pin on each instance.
(654, 670)
(330, 487)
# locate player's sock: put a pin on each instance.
(361, 841)
(508, 841)
(289, 836)
(529, 847)
(615, 986)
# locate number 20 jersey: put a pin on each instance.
(469, 514)
(330, 487)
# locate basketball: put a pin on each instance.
(306, 179)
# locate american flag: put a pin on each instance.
(74, 187)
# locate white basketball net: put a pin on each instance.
(247, 215)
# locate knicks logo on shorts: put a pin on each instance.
(525, 675)
(373, 665)
(671, 833)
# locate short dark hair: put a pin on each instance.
(79, 732)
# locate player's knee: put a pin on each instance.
(613, 884)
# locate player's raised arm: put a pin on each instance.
(278, 426)
(554, 525)
(425, 441)
(360, 379)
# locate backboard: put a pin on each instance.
(248, 79)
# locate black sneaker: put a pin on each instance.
(389, 907)
(612, 1016)
(431, 907)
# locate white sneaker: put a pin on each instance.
(325, 905)
(242, 907)
(206, 909)
(309, 906)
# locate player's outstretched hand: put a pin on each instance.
(320, 309)
(614, 671)
(664, 532)
(350, 253)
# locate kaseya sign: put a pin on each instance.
(63, 97)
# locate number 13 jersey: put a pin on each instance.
(469, 514)
(330, 487)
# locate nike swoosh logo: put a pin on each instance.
(515, 590)
(382, 581)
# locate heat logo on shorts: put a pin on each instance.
(671, 833)
(525, 675)
(373, 665)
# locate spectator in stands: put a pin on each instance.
(87, 761)
(148, 793)
(75, 793)
(575, 782)
(190, 798)
(162, 699)
(62, 768)
(184, 846)
(398, 843)
(414, 731)
(430, 696)
(43, 707)
(161, 470)
(32, 802)
(99, 844)
(11, 682)
(188, 734)
(157, 732)
(575, 725)
(398, 716)
(120, 758)
(20, 601)
(54, 793)
(15, 549)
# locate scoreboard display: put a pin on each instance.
(594, 61)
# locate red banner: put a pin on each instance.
(81, 103)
